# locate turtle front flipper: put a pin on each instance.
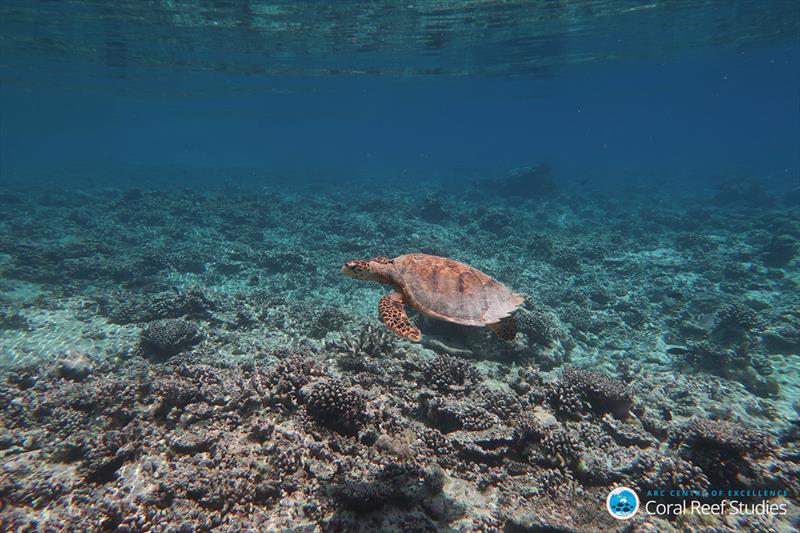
(392, 311)
(506, 329)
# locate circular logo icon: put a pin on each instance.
(622, 503)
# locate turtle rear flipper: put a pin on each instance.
(392, 311)
(506, 329)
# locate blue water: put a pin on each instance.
(683, 117)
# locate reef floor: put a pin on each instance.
(175, 360)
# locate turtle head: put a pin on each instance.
(366, 269)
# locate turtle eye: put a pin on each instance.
(353, 266)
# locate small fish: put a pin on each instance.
(677, 350)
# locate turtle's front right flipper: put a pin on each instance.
(393, 314)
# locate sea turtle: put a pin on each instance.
(441, 288)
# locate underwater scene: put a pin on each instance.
(420, 266)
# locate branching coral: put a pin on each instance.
(331, 404)
(707, 355)
(560, 445)
(723, 450)
(730, 437)
(369, 342)
(537, 324)
(164, 338)
(736, 319)
(448, 414)
(394, 484)
(445, 372)
(580, 392)
(504, 404)
(288, 377)
(665, 471)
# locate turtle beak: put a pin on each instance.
(357, 270)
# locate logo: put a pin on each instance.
(622, 503)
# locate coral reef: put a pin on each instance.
(729, 436)
(124, 308)
(732, 348)
(580, 392)
(537, 324)
(234, 381)
(288, 377)
(370, 341)
(402, 485)
(780, 251)
(734, 321)
(680, 476)
(167, 337)
(445, 372)
(332, 404)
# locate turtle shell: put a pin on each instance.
(453, 291)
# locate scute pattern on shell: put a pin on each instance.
(453, 291)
